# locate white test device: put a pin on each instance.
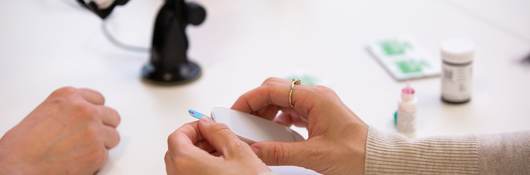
(252, 128)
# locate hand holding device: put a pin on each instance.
(209, 148)
(336, 135)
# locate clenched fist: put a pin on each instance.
(69, 133)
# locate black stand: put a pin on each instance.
(169, 63)
(527, 59)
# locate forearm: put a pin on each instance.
(7, 167)
(504, 153)
(496, 154)
(392, 153)
(8, 164)
(3, 162)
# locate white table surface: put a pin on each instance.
(45, 44)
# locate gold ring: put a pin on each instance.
(291, 91)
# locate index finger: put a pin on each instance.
(276, 94)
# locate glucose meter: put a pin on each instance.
(251, 128)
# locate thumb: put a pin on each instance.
(286, 153)
(223, 139)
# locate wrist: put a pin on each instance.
(356, 147)
(5, 166)
(3, 163)
(10, 166)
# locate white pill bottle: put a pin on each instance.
(406, 114)
(457, 69)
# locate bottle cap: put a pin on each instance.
(458, 50)
(407, 93)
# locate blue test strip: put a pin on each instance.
(196, 114)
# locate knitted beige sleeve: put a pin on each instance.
(489, 154)
(507, 153)
(395, 154)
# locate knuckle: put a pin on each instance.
(116, 138)
(270, 81)
(171, 139)
(118, 120)
(95, 94)
(220, 128)
(100, 157)
(56, 100)
(182, 163)
(167, 157)
(324, 89)
(92, 91)
(92, 132)
(85, 110)
(325, 93)
(235, 144)
(115, 114)
(278, 154)
(174, 146)
(64, 91)
(317, 154)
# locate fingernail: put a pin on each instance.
(255, 148)
(205, 120)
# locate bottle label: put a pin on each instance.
(406, 121)
(456, 82)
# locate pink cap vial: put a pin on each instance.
(407, 93)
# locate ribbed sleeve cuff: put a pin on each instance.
(396, 154)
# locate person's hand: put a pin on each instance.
(337, 137)
(209, 148)
(69, 133)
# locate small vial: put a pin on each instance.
(406, 114)
(457, 58)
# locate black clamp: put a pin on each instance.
(169, 63)
(101, 11)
